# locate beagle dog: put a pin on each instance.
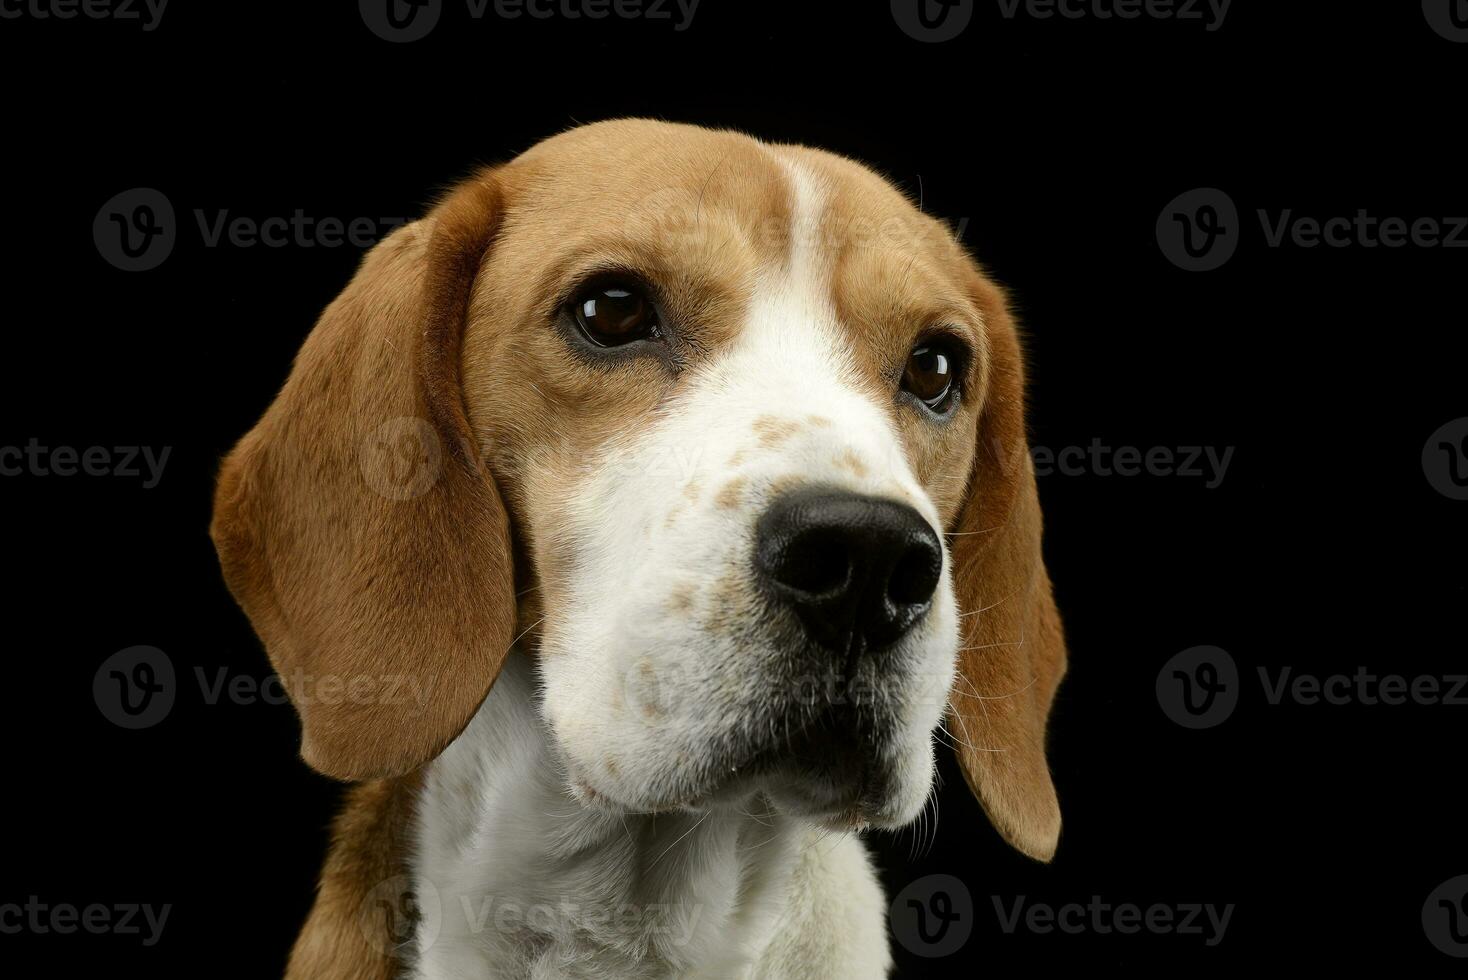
(625, 532)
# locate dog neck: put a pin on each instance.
(513, 876)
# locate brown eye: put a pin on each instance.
(929, 374)
(614, 314)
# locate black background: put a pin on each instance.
(1325, 548)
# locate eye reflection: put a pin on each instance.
(929, 374)
(612, 314)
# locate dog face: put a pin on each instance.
(729, 433)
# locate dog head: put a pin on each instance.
(729, 435)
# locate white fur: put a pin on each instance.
(515, 878)
(593, 820)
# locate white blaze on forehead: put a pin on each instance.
(785, 402)
(793, 362)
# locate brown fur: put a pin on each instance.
(730, 494)
(347, 933)
(1013, 651)
(404, 587)
(773, 431)
(356, 560)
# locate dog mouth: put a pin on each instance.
(831, 768)
(829, 757)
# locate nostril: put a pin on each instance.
(915, 576)
(817, 564)
(858, 571)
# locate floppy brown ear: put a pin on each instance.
(1013, 650)
(357, 525)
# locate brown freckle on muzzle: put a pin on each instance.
(650, 707)
(680, 600)
(820, 421)
(730, 495)
(772, 431)
(728, 605)
(781, 485)
(849, 461)
(612, 768)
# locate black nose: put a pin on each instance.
(859, 571)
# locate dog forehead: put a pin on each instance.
(722, 205)
(631, 179)
(889, 269)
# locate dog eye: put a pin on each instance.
(929, 374)
(612, 314)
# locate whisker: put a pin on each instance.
(944, 737)
(696, 824)
(999, 697)
(756, 819)
(990, 605)
(989, 646)
(964, 725)
(527, 630)
(968, 745)
(839, 838)
(964, 534)
(755, 847)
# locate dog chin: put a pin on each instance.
(842, 790)
(875, 795)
